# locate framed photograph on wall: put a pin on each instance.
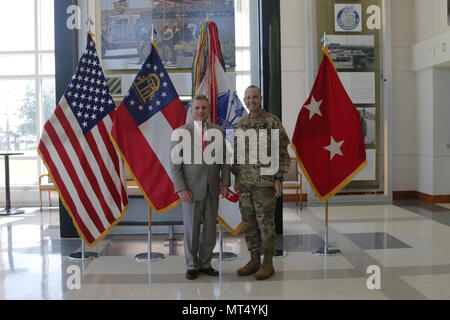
(352, 52)
(127, 26)
(369, 173)
(369, 125)
(360, 86)
(448, 12)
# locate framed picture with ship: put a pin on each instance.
(352, 52)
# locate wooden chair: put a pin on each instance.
(46, 186)
(293, 181)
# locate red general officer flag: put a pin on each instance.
(328, 138)
(142, 132)
(79, 155)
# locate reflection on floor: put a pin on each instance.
(406, 241)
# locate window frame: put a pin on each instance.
(38, 78)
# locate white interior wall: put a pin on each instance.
(441, 133)
(430, 18)
(293, 63)
(404, 119)
(424, 130)
(432, 102)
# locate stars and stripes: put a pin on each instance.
(88, 94)
(79, 155)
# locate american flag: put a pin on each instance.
(81, 159)
(142, 131)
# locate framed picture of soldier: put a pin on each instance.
(127, 27)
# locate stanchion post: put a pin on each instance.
(223, 256)
(83, 255)
(220, 242)
(149, 255)
(325, 251)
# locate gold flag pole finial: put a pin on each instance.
(90, 23)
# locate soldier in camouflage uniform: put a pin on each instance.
(258, 193)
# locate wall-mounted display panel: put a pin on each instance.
(360, 50)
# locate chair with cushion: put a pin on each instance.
(293, 181)
(46, 184)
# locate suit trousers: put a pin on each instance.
(198, 248)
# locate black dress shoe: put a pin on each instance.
(191, 274)
(210, 272)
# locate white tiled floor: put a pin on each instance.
(34, 261)
(433, 286)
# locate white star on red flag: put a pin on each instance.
(334, 148)
(314, 107)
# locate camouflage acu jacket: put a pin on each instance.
(249, 174)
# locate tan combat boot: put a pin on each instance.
(266, 270)
(252, 266)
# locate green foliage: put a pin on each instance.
(27, 113)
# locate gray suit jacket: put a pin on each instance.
(196, 177)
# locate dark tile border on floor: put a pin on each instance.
(425, 209)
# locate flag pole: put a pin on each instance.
(325, 250)
(221, 255)
(83, 255)
(149, 256)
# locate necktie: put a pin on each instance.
(204, 141)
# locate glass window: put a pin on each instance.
(17, 25)
(27, 90)
(17, 65)
(242, 38)
(22, 171)
(46, 26)
(48, 99)
(18, 116)
(47, 63)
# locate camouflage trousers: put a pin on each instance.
(257, 205)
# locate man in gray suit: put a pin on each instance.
(198, 184)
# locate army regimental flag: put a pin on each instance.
(328, 138)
